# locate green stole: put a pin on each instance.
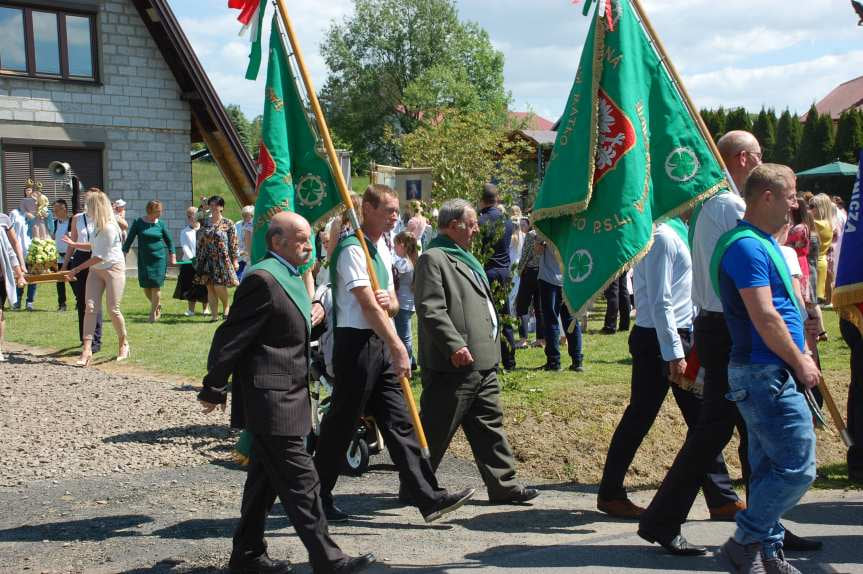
(677, 225)
(450, 247)
(776, 258)
(291, 283)
(380, 267)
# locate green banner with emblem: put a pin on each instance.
(628, 153)
(293, 171)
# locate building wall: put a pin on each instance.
(136, 112)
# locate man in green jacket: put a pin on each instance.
(459, 352)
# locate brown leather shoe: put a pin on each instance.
(726, 512)
(624, 508)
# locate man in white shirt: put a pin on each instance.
(658, 344)
(669, 508)
(369, 361)
(61, 229)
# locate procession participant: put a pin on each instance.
(554, 308)
(268, 332)
(21, 231)
(496, 235)
(81, 232)
(369, 362)
(459, 354)
(670, 506)
(11, 273)
(155, 253)
(768, 352)
(659, 344)
(61, 229)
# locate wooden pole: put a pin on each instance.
(324, 132)
(834, 413)
(666, 61)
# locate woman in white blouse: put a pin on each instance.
(107, 274)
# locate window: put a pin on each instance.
(26, 160)
(46, 43)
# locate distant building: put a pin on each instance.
(113, 88)
(843, 97)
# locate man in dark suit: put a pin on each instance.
(459, 354)
(264, 344)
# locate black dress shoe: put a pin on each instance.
(335, 514)
(449, 503)
(262, 564)
(548, 367)
(521, 497)
(353, 564)
(678, 546)
(799, 544)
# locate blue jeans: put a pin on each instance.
(551, 300)
(403, 329)
(781, 449)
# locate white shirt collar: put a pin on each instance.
(284, 262)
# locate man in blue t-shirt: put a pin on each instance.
(768, 352)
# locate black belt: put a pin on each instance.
(711, 314)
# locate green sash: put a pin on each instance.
(696, 212)
(776, 258)
(380, 267)
(677, 225)
(292, 284)
(450, 247)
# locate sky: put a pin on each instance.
(771, 53)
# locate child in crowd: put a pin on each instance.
(407, 252)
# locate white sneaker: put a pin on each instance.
(2, 357)
(206, 312)
(189, 313)
(29, 306)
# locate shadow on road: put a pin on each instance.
(169, 435)
(847, 513)
(172, 566)
(201, 528)
(530, 520)
(92, 529)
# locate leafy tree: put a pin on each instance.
(738, 119)
(808, 154)
(395, 63)
(465, 150)
(787, 139)
(764, 129)
(849, 135)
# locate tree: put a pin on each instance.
(765, 131)
(808, 155)
(825, 138)
(395, 63)
(243, 127)
(738, 119)
(849, 135)
(465, 150)
(787, 139)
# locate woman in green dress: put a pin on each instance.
(155, 251)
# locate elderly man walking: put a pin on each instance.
(768, 352)
(460, 353)
(264, 345)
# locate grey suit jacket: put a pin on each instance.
(452, 311)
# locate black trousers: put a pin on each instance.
(471, 401)
(61, 293)
(367, 382)
(672, 502)
(649, 385)
(855, 397)
(281, 466)
(617, 298)
(501, 279)
(79, 287)
(528, 294)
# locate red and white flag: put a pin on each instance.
(251, 17)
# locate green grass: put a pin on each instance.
(207, 180)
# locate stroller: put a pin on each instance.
(367, 439)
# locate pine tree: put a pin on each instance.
(849, 135)
(785, 150)
(764, 131)
(738, 119)
(825, 140)
(808, 154)
(719, 117)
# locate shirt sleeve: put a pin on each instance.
(792, 261)
(352, 268)
(659, 267)
(747, 264)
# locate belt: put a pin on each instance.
(711, 314)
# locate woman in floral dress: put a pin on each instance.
(217, 257)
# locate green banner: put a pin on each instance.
(628, 153)
(293, 171)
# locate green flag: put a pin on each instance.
(627, 153)
(293, 172)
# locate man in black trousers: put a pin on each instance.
(369, 360)
(661, 521)
(264, 344)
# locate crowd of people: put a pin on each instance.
(727, 315)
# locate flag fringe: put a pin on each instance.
(850, 294)
(703, 196)
(851, 313)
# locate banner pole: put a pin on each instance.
(666, 61)
(324, 132)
